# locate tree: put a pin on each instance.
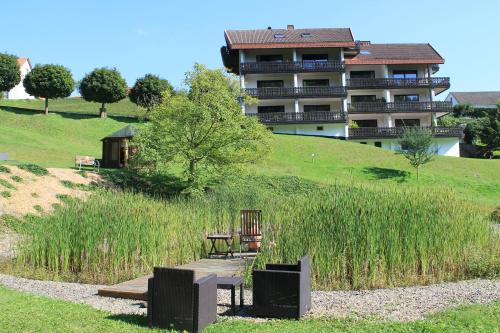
(202, 129)
(147, 91)
(416, 146)
(10, 75)
(489, 132)
(49, 81)
(103, 85)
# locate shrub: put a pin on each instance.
(34, 169)
(6, 184)
(17, 179)
(5, 194)
(4, 169)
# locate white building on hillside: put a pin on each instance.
(322, 82)
(18, 91)
(478, 99)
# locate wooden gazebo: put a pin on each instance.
(116, 149)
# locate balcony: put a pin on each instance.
(299, 92)
(393, 83)
(291, 67)
(392, 132)
(383, 107)
(311, 117)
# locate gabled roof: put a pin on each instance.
(297, 38)
(483, 98)
(22, 61)
(387, 54)
(128, 131)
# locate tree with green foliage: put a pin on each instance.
(103, 85)
(463, 110)
(148, 91)
(489, 132)
(416, 146)
(49, 81)
(202, 129)
(10, 74)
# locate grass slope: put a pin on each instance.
(21, 312)
(75, 105)
(335, 160)
(53, 140)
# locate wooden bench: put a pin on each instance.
(86, 161)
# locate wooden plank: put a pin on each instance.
(138, 288)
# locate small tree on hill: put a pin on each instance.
(202, 129)
(49, 81)
(416, 146)
(10, 75)
(103, 85)
(489, 132)
(148, 91)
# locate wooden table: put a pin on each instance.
(224, 237)
(226, 282)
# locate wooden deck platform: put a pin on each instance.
(138, 288)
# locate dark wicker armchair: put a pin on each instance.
(282, 290)
(177, 301)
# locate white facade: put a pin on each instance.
(18, 91)
(295, 115)
(444, 146)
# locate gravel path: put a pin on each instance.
(400, 304)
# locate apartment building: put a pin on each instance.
(323, 82)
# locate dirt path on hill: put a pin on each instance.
(37, 194)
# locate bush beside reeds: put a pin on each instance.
(357, 236)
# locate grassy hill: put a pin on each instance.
(75, 105)
(53, 140)
(56, 139)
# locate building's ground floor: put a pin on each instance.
(386, 138)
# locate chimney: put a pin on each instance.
(290, 27)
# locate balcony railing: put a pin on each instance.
(299, 92)
(388, 132)
(393, 83)
(291, 67)
(381, 107)
(299, 117)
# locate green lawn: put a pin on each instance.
(53, 140)
(56, 139)
(21, 312)
(75, 105)
(473, 179)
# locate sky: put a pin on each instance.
(166, 37)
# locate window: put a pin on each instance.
(319, 128)
(405, 74)
(314, 57)
(306, 34)
(366, 122)
(312, 108)
(270, 58)
(365, 52)
(279, 36)
(406, 98)
(363, 98)
(407, 122)
(362, 74)
(316, 83)
(270, 108)
(270, 84)
(378, 144)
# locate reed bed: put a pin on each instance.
(358, 237)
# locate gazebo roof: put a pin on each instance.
(128, 131)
